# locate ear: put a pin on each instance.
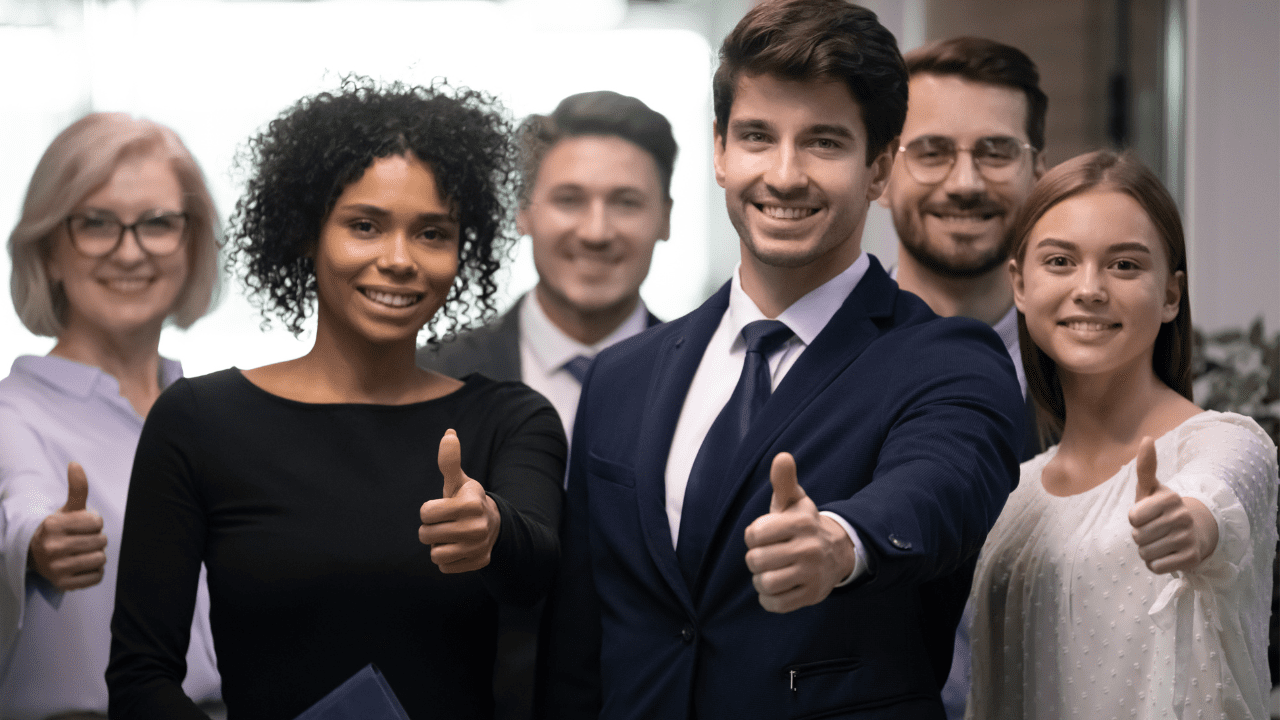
(881, 169)
(1172, 297)
(717, 153)
(664, 231)
(1016, 281)
(522, 220)
(1039, 167)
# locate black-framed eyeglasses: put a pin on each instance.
(98, 235)
(929, 159)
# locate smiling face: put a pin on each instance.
(793, 165)
(387, 253)
(1095, 286)
(594, 214)
(961, 226)
(128, 290)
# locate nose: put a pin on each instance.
(786, 173)
(129, 250)
(1090, 289)
(964, 178)
(397, 257)
(596, 227)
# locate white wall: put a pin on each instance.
(1232, 208)
(218, 71)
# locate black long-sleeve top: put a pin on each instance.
(306, 516)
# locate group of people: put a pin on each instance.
(802, 499)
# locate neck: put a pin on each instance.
(132, 358)
(586, 326)
(1117, 409)
(774, 288)
(986, 297)
(346, 367)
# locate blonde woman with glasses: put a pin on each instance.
(118, 235)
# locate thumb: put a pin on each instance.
(77, 488)
(451, 463)
(786, 485)
(1147, 483)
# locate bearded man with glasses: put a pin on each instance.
(971, 149)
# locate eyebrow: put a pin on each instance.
(377, 212)
(740, 126)
(1133, 247)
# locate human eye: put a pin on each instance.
(996, 151)
(567, 200)
(629, 201)
(436, 234)
(754, 137)
(1126, 265)
(162, 224)
(362, 227)
(1057, 261)
(826, 144)
(932, 150)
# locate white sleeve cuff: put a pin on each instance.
(859, 553)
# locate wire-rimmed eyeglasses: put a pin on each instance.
(930, 158)
(98, 235)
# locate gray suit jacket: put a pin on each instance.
(492, 350)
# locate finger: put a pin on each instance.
(450, 461)
(78, 582)
(70, 545)
(77, 488)
(78, 564)
(786, 484)
(1147, 483)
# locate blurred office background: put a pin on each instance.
(1192, 86)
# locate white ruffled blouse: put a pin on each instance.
(1069, 622)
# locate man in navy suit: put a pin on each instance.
(595, 198)
(775, 502)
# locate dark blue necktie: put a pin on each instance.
(706, 480)
(577, 367)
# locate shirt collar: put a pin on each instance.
(79, 380)
(807, 316)
(554, 348)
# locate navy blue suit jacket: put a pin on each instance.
(906, 424)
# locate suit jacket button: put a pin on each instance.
(900, 543)
(687, 634)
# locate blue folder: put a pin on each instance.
(364, 696)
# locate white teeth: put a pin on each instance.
(392, 299)
(1089, 326)
(127, 284)
(786, 213)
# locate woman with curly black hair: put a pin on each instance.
(301, 485)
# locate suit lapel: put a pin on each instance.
(845, 336)
(677, 362)
(506, 359)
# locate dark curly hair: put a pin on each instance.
(308, 155)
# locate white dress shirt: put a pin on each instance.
(545, 348)
(721, 365)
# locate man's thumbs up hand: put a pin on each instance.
(1172, 532)
(462, 526)
(68, 547)
(796, 556)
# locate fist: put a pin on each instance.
(68, 547)
(1172, 533)
(462, 526)
(795, 555)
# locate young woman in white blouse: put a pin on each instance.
(1129, 574)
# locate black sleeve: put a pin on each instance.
(526, 476)
(160, 554)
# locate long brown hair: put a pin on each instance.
(1106, 170)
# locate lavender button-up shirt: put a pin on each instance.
(54, 646)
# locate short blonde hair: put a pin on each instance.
(80, 160)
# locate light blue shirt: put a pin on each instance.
(54, 646)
